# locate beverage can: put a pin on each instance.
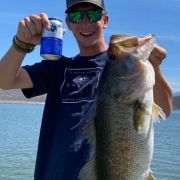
(52, 40)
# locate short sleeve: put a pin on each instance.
(40, 74)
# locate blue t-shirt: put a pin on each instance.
(70, 84)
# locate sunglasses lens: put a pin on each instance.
(94, 16)
(75, 17)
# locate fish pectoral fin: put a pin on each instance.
(139, 115)
(157, 113)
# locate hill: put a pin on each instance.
(176, 101)
(16, 96)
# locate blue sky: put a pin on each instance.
(141, 17)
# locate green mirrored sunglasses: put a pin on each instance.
(92, 15)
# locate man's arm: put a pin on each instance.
(12, 76)
(162, 90)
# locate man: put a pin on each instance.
(70, 84)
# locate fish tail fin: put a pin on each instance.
(157, 113)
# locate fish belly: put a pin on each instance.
(122, 152)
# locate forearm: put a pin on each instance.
(9, 67)
(28, 36)
(162, 92)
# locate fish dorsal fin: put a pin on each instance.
(157, 113)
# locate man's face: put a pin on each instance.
(88, 34)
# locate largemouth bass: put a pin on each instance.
(124, 137)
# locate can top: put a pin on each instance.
(54, 18)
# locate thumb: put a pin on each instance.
(45, 21)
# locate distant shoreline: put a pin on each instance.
(15, 96)
(40, 103)
(21, 102)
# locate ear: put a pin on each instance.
(68, 23)
(105, 20)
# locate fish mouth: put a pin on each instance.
(124, 45)
(125, 41)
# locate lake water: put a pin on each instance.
(19, 132)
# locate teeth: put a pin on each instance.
(87, 33)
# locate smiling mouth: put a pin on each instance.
(87, 34)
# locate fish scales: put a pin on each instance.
(124, 134)
(121, 151)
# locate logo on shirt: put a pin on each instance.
(80, 84)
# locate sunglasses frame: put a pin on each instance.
(87, 14)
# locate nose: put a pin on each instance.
(85, 20)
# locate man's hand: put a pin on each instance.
(31, 27)
(157, 55)
(162, 90)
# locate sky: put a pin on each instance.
(140, 17)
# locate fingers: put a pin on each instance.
(157, 55)
(32, 26)
(45, 21)
(159, 52)
(64, 31)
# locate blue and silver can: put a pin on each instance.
(52, 40)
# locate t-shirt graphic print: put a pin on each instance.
(80, 84)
